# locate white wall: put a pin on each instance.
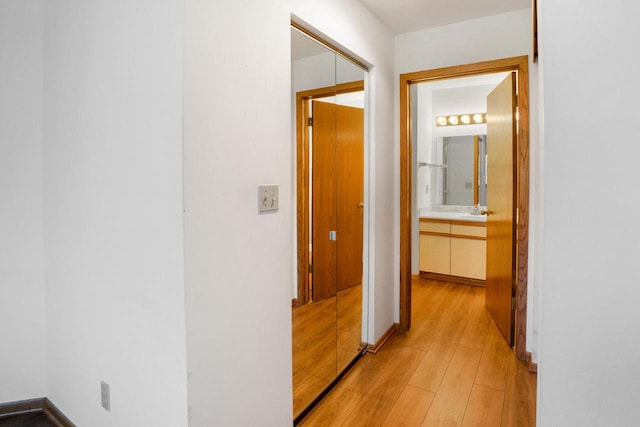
(494, 37)
(352, 27)
(313, 72)
(425, 151)
(461, 100)
(111, 102)
(22, 354)
(238, 263)
(589, 353)
(113, 210)
(322, 70)
(460, 173)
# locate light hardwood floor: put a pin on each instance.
(453, 368)
(325, 339)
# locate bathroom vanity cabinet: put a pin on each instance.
(453, 248)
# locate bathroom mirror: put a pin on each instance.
(459, 174)
(328, 128)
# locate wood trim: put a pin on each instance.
(55, 415)
(436, 220)
(454, 221)
(533, 367)
(433, 233)
(522, 227)
(39, 405)
(21, 407)
(302, 177)
(455, 236)
(324, 92)
(475, 170)
(415, 276)
(383, 339)
(519, 64)
(330, 46)
(466, 236)
(452, 279)
(476, 68)
(406, 168)
(534, 21)
(469, 223)
(302, 194)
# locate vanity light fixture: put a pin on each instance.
(461, 119)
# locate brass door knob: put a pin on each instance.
(361, 205)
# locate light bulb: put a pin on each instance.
(442, 121)
(465, 119)
(477, 118)
(453, 120)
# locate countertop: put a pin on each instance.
(458, 216)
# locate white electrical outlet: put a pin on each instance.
(105, 393)
(268, 198)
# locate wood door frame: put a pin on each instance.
(520, 64)
(302, 177)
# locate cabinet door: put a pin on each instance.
(468, 258)
(435, 254)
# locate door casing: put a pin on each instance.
(520, 65)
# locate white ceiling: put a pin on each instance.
(405, 16)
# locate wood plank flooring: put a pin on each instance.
(453, 368)
(325, 339)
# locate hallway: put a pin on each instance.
(452, 368)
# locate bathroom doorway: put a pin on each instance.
(520, 183)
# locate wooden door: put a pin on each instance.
(337, 197)
(501, 192)
(323, 205)
(350, 194)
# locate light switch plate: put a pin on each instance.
(268, 198)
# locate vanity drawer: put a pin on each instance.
(469, 230)
(435, 227)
